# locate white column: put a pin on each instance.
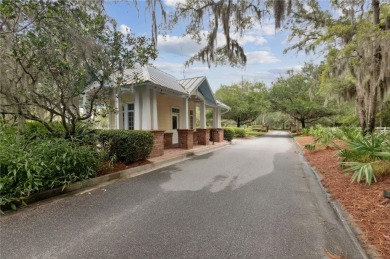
(154, 111)
(146, 110)
(126, 117)
(202, 115)
(186, 114)
(219, 119)
(116, 111)
(215, 117)
(137, 109)
(119, 113)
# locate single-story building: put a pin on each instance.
(153, 100)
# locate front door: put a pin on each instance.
(175, 125)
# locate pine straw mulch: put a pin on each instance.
(366, 205)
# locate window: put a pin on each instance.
(175, 110)
(191, 119)
(175, 118)
(130, 115)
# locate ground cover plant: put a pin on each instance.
(366, 157)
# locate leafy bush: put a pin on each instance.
(366, 157)
(127, 145)
(239, 132)
(306, 131)
(32, 166)
(228, 134)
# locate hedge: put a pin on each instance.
(228, 134)
(126, 145)
(239, 132)
(33, 166)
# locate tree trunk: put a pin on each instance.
(372, 107)
(376, 11)
(372, 103)
(361, 109)
(303, 123)
(238, 122)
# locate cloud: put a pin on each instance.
(180, 71)
(186, 46)
(245, 39)
(264, 27)
(260, 57)
(173, 3)
(124, 29)
(179, 45)
(283, 70)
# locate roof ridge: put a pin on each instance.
(191, 78)
(165, 73)
(151, 66)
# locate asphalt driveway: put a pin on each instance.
(253, 199)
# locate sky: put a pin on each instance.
(263, 47)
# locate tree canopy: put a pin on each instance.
(206, 18)
(247, 101)
(51, 53)
(356, 44)
(297, 95)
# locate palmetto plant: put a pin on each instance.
(363, 153)
(323, 136)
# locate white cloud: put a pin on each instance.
(180, 71)
(260, 57)
(245, 39)
(173, 3)
(265, 27)
(124, 29)
(179, 45)
(186, 46)
(283, 70)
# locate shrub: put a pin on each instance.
(366, 157)
(228, 134)
(32, 166)
(127, 145)
(240, 133)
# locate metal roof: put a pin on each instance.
(223, 106)
(149, 74)
(201, 85)
(191, 84)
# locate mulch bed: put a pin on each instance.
(368, 208)
(118, 166)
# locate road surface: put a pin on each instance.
(253, 199)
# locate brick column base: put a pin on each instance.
(186, 138)
(168, 140)
(203, 136)
(195, 138)
(158, 143)
(216, 135)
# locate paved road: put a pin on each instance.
(254, 199)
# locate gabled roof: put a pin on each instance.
(150, 74)
(191, 84)
(202, 85)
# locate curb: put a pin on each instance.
(127, 173)
(349, 226)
